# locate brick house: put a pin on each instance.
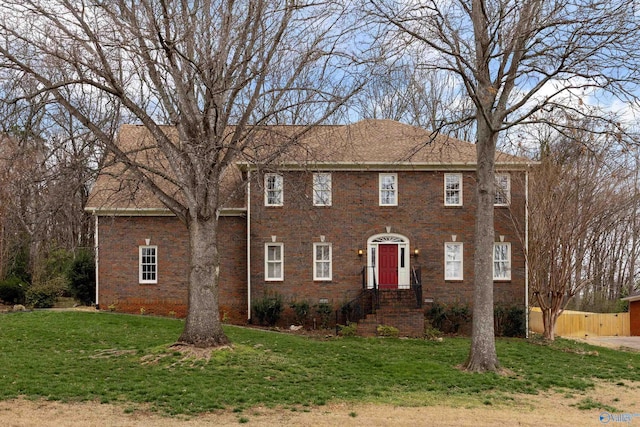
(374, 218)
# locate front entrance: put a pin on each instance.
(388, 266)
(388, 261)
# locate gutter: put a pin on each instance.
(385, 166)
(526, 256)
(97, 259)
(249, 245)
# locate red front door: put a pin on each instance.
(388, 266)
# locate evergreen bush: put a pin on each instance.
(12, 290)
(82, 278)
(268, 309)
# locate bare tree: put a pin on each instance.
(218, 71)
(582, 196)
(424, 98)
(49, 161)
(514, 59)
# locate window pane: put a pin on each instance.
(502, 261)
(453, 261)
(322, 270)
(273, 189)
(388, 189)
(322, 189)
(273, 253)
(148, 264)
(322, 253)
(502, 189)
(273, 270)
(452, 189)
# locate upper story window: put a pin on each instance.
(322, 261)
(503, 189)
(322, 189)
(274, 262)
(148, 264)
(502, 261)
(273, 192)
(453, 261)
(388, 185)
(453, 189)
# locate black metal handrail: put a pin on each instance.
(416, 284)
(358, 308)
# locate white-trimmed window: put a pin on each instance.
(388, 184)
(453, 261)
(274, 262)
(453, 189)
(503, 189)
(502, 261)
(148, 264)
(322, 261)
(273, 192)
(322, 189)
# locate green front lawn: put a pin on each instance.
(125, 359)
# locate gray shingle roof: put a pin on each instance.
(366, 144)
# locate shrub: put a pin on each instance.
(387, 331)
(268, 309)
(430, 332)
(350, 330)
(449, 319)
(324, 310)
(509, 321)
(302, 311)
(12, 290)
(82, 278)
(45, 295)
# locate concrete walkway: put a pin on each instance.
(615, 342)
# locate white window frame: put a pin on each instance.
(317, 262)
(393, 191)
(322, 189)
(278, 188)
(506, 262)
(143, 262)
(503, 189)
(268, 262)
(459, 261)
(453, 191)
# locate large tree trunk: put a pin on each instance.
(482, 356)
(203, 327)
(549, 319)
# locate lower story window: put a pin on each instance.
(502, 261)
(453, 261)
(321, 261)
(148, 264)
(274, 262)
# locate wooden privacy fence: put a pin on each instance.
(583, 324)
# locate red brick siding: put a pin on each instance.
(634, 318)
(355, 216)
(119, 239)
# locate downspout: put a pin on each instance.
(526, 251)
(96, 254)
(249, 244)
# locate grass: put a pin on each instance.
(113, 358)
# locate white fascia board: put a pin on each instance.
(153, 211)
(378, 166)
